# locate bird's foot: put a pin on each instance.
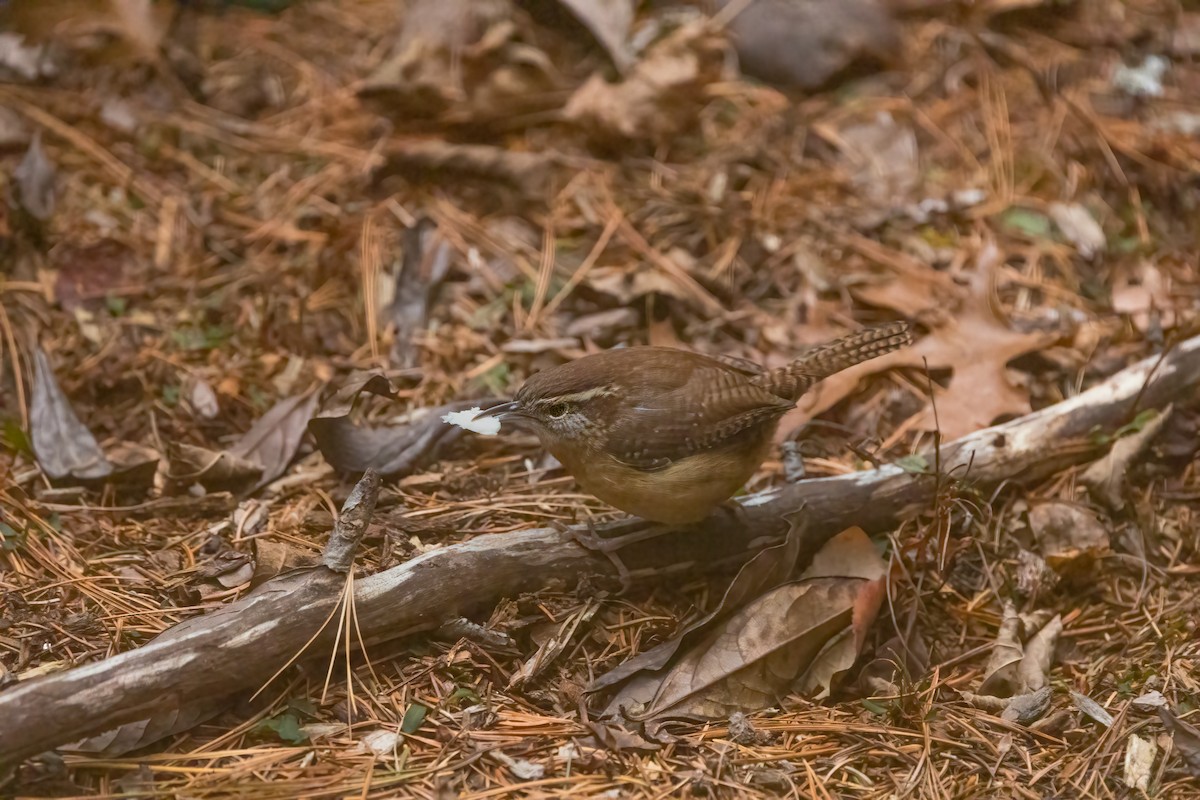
(735, 513)
(588, 538)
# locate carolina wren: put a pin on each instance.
(668, 435)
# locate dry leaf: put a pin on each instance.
(272, 558)
(202, 398)
(1149, 701)
(521, 768)
(1069, 537)
(391, 449)
(173, 715)
(1025, 708)
(1106, 477)
(897, 663)
(423, 267)
(553, 645)
(35, 180)
(135, 26)
(1000, 675)
(850, 554)
(140, 26)
(1034, 670)
(64, 447)
(620, 740)
(272, 441)
(1015, 669)
(1093, 709)
(215, 471)
(1186, 737)
(1033, 574)
(973, 343)
(383, 744)
(805, 44)
(801, 635)
(659, 97)
(609, 21)
(755, 658)
(133, 466)
(628, 284)
(767, 569)
(461, 60)
(23, 62)
(1144, 292)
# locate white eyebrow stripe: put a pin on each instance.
(581, 397)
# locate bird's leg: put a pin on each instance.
(735, 512)
(589, 539)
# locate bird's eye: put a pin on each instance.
(558, 411)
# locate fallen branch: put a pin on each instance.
(223, 654)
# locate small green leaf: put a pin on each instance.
(286, 726)
(196, 339)
(875, 708)
(413, 718)
(1027, 222)
(1139, 422)
(462, 693)
(10, 539)
(13, 437)
(914, 464)
(116, 305)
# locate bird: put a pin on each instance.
(667, 434)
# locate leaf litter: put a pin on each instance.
(251, 200)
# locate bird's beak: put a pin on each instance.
(504, 411)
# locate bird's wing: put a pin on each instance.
(713, 407)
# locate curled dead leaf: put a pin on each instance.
(553, 644)
(609, 22)
(65, 448)
(426, 262)
(1070, 537)
(35, 182)
(801, 635)
(767, 569)
(214, 470)
(661, 94)
(461, 60)
(897, 663)
(272, 441)
(1025, 708)
(1106, 477)
(391, 449)
(1186, 737)
(1017, 668)
(1000, 675)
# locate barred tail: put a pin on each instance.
(821, 362)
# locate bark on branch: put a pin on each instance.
(223, 654)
